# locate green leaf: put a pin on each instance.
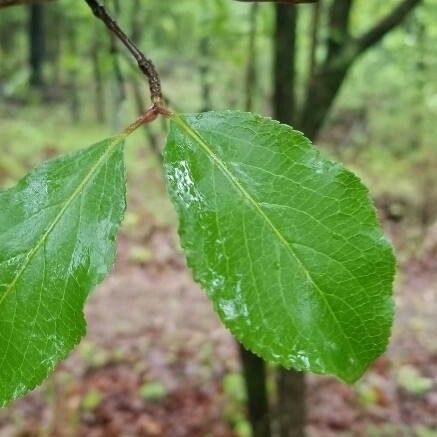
(57, 237)
(285, 242)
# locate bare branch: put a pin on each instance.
(394, 18)
(145, 64)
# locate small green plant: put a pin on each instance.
(153, 391)
(285, 243)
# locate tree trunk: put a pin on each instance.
(323, 87)
(254, 373)
(322, 90)
(99, 101)
(291, 403)
(291, 408)
(54, 43)
(315, 25)
(254, 368)
(284, 49)
(36, 36)
(251, 58)
(204, 74)
(73, 70)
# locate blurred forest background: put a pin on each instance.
(156, 361)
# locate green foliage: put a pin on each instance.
(285, 243)
(57, 236)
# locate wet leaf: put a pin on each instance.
(285, 242)
(57, 237)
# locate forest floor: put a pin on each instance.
(156, 361)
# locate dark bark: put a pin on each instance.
(254, 372)
(323, 86)
(291, 403)
(315, 25)
(54, 43)
(291, 408)
(338, 26)
(342, 53)
(389, 22)
(144, 64)
(254, 368)
(36, 45)
(284, 57)
(326, 80)
(322, 90)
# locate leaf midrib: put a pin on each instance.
(116, 141)
(209, 152)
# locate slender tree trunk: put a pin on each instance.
(323, 86)
(36, 45)
(322, 90)
(254, 373)
(254, 368)
(73, 71)
(284, 49)
(204, 74)
(251, 58)
(420, 70)
(418, 131)
(291, 408)
(291, 403)
(315, 25)
(55, 32)
(99, 101)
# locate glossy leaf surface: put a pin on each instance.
(285, 242)
(58, 227)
